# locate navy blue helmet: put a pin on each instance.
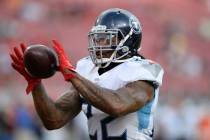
(117, 31)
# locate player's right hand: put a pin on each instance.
(65, 66)
(18, 65)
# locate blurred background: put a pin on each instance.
(176, 34)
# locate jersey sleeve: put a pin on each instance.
(142, 70)
(84, 65)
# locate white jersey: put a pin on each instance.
(134, 126)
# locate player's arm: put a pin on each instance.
(52, 114)
(115, 102)
(56, 114)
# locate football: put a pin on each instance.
(40, 61)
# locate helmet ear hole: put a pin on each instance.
(125, 49)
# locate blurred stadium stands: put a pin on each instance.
(176, 34)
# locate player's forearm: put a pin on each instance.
(47, 110)
(102, 98)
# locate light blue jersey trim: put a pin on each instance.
(144, 115)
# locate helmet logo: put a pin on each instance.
(135, 26)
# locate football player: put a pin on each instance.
(116, 87)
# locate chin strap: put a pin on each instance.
(125, 38)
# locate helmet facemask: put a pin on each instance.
(107, 45)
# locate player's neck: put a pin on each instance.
(111, 66)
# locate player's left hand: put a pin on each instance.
(18, 65)
(65, 67)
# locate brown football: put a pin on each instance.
(40, 61)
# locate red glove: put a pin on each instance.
(65, 67)
(18, 65)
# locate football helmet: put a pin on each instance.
(117, 32)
